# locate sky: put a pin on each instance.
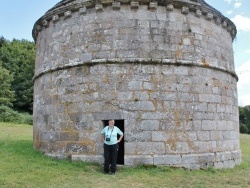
(17, 18)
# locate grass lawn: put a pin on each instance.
(22, 166)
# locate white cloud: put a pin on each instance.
(247, 51)
(244, 100)
(229, 12)
(243, 72)
(243, 85)
(228, 1)
(237, 4)
(242, 23)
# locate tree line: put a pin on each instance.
(17, 62)
(244, 117)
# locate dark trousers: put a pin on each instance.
(110, 157)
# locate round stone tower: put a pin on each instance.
(164, 70)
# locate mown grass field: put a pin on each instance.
(22, 166)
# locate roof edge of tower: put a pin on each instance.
(200, 7)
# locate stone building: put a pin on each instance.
(163, 69)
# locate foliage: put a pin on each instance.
(244, 118)
(22, 166)
(9, 115)
(18, 56)
(243, 128)
(3, 41)
(6, 94)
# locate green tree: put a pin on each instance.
(2, 41)
(18, 56)
(244, 118)
(247, 117)
(6, 94)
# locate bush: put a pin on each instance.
(243, 129)
(27, 118)
(9, 115)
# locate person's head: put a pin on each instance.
(111, 122)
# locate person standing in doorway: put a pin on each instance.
(111, 146)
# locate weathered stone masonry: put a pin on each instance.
(164, 67)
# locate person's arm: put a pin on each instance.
(103, 137)
(120, 138)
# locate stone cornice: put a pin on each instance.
(66, 7)
(135, 61)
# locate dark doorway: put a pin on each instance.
(120, 124)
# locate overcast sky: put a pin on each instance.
(17, 18)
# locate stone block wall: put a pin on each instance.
(167, 70)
